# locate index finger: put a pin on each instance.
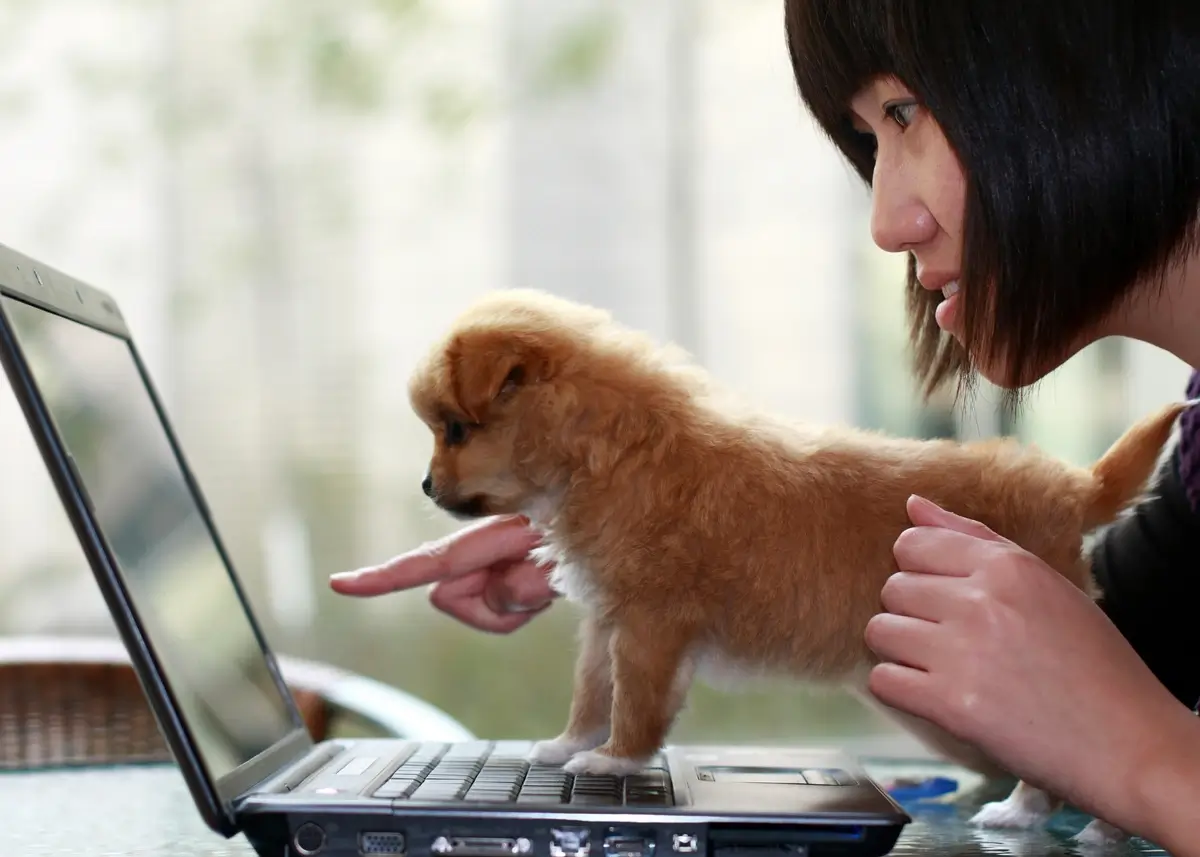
(936, 550)
(476, 547)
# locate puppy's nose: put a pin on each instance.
(427, 485)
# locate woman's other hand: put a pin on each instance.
(988, 642)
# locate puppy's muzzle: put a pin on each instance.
(472, 507)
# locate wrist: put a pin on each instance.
(1166, 787)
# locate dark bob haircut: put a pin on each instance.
(1077, 124)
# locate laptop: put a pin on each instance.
(237, 735)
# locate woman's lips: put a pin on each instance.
(946, 313)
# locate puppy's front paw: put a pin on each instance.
(593, 762)
(1012, 813)
(558, 750)
(1100, 834)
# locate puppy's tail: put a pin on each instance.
(1122, 472)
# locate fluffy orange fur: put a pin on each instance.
(699, 533)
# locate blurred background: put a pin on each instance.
(290, 198)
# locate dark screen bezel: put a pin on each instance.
(30, 282)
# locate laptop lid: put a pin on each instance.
(207, 670)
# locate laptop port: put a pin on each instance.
(381, 844)
(481, 846)
(308, 839)
(569, 842)
(628, 845)
(685, 843)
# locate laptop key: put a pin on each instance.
(427, 753)
(491, 794)
(545, 784)
(390, 789)
(439, 791)
(649, 788)
(594, 790)
(468, 750)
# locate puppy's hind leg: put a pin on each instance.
(651, 676)
(591, 701)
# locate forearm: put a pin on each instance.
(1148, 566)
(1166, 798)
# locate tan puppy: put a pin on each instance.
(701, 536)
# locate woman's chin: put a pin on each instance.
(999, 374)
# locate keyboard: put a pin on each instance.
(500, 772)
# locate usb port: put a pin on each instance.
(628, 845)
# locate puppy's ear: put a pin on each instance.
(484, 372)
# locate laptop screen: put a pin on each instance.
(173, 571)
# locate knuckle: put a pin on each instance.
(978, 597)
(1012, 555)
(437, 557)
(989, 617)
(967, 705)
(984, 609)
(1008, 570)
(437, 549)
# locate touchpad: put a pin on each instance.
(773, 775)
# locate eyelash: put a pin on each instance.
(892, 112)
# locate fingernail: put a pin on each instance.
(526, 608)
(926, 507)
(345, 575)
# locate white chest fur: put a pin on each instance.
(570, 578)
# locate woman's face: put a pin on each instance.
(918, 189)
(919, 200)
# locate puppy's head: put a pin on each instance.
(485, 393)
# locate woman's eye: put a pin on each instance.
(903, 113)
(456, 432)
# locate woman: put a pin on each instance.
(1039, 164)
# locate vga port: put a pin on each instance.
(382, 844)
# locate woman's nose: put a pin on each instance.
(899, 219)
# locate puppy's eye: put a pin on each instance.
(455, 433)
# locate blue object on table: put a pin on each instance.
(911, 789)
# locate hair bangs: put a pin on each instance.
(837, 47)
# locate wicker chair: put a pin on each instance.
(77, 701)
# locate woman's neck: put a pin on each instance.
(1168, 316)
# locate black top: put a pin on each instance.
(1148, 567)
